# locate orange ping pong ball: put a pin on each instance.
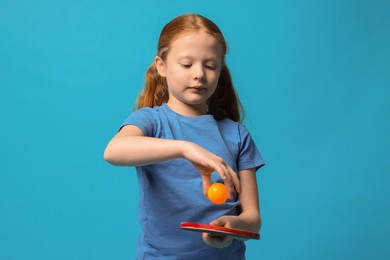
(217, 193)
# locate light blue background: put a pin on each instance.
(313, 76)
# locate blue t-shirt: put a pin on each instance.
(171, 192)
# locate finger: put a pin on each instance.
(229, 189)
(226, 241)
(210, 240)
(221, 221)
(229, 183)
(223, 171)
(216, 240)
(236, 181)
(205, 238)
(206, 181)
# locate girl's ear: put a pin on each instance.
(160, 66)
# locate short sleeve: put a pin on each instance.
(249, 155)
(144, 119)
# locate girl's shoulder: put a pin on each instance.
(148, 111)
(148, 119)
(231, 124)
(233, 130)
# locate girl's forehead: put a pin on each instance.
(196, 40)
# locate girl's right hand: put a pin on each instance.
(206, 162)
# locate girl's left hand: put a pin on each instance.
(220, 241)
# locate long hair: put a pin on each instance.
(224, 102)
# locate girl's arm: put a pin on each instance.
(249, 217)
(131, 148)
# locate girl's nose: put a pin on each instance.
(199, 72)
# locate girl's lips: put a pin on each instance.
(199, 88)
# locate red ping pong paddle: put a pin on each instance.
(217, 230)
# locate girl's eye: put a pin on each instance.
(186, 65)
(210, 67)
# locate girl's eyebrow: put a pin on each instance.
(215, 59)
(185, 57)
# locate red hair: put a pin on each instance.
(224, 103)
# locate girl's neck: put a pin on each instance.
(188, 110)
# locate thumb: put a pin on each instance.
(221, 221)
(206, 180)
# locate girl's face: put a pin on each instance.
(192, 69)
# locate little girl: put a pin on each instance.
(186, 135)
